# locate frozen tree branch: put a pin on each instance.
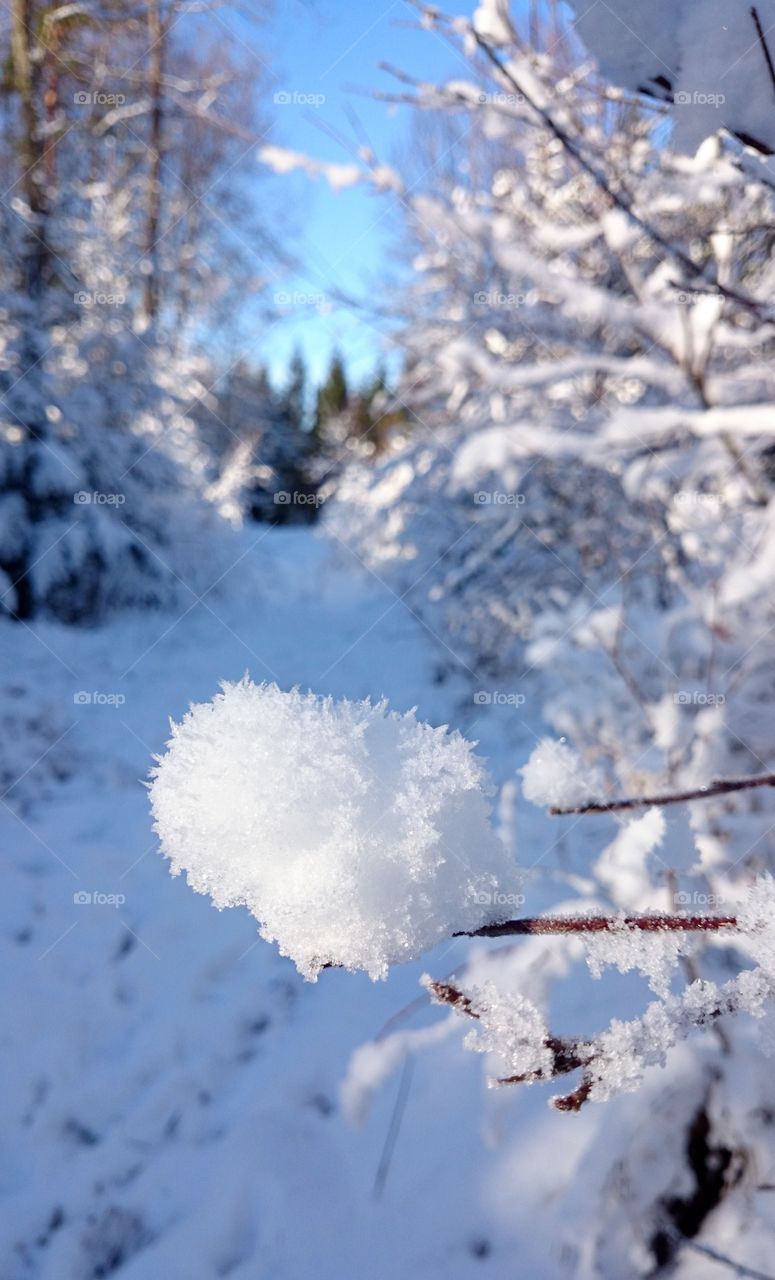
(621, 201)
(616, 1058)
(600, 924)
(719, 788)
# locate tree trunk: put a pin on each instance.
(37, 256)
(157, 36)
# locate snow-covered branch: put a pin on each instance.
(360, 838)
(721, 787)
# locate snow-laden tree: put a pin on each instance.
(263, 448)
(110, 152)
(585, 513)
(598, 454)
(102, 471)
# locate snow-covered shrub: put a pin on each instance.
(357, 836)
(602, 502)
(360, 838)
(585, 507)
(522, 1049)
(108, 267)
(101, 471)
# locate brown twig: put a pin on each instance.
(445, 993)
(599, 924)
(719, 788)
(568, 1054)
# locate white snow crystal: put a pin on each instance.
(512, 1029)
(554, 775)
(626, 1049)
(491, 20)
(654, 953)
(357, 836)
(756, 918)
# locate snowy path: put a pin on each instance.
(187, 1124)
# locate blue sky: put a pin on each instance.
(330, 50)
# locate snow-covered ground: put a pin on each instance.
(170, 1086)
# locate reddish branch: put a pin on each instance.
(599, 924)
(719, 788)
(568, 1054)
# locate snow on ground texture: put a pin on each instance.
(358, 837)
(170, 1086)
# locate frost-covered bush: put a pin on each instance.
(101, 470)
(584, 507)
(589, 486)
(357, 836)
(583, 388)
(522, 1049)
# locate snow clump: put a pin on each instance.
(555, 776)
(357, 836)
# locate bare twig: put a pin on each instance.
(446, 993)
(567, 1055)
(600, 924)
(721, 787)
(738, 1268)
(763, 43)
